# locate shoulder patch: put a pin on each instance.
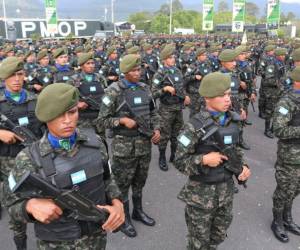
(156, 81)
(106, 100)
(283, 111)
(185, 141)
(11, 181)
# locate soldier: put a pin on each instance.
(213, 57)
(111, 69)
(91, 87)
(209, 155)
(227, 58)
(246, 75)
(30, 62)
(16, 109)
(149, 63)
(62, 67)
(186, 57)
(129, 110)
(42, 75)
(59, 158)
(287, 174)
(168, 87)
(193, 76)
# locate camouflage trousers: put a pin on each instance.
(96, 241)
(207, 226)
(171, 123)
(131, 172)
(288, 184)
(269, 101)
(89, 123)
(196, 103)
(18, 228)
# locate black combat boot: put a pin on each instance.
(248, 122)
(21, 243)
(242, 143)
(173, 151)
(138, 213)
(268, 131)
(288, 221)
(0, 211)
(162, 160)
(278, 228)
(127, 228)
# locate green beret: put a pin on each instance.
(280, 51)
(214, 84)
(8, 49)
(186, 46)
(28, 53)
(110, 50)
(9, 66)
(241, 49)
(295, 74)
(167, 51)
(147, 46)
(214, 49)
(44, 47)
(128, 45)
(88, 48)
(42, 54)
(228, 55)
(200, 51)
(129, 62)
(58, 52)
(297, 45)
(20, 52)
(296, 55)
(270, 47)
(133, 50)
(54, 100)
(84, 57)
(79, 49)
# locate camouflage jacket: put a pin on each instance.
(16, 201)
(288, 134)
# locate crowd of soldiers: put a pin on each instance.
(61, 100)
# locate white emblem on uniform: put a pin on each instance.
(283, 110)
(106, 100)
(184, 140)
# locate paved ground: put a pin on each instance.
(250, 229)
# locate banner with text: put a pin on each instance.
(51, 16)
(238, 15)
(273, 14)
(208, 15)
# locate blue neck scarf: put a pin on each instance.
(62, 68)
(221, 116)
(64, 143)
(129, 84)
(242, 64)
(296, 91)
(16, 97)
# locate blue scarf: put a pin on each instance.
(65, 143)
(221, 116)
(129, 84)
(242, 64)
(62, 68)
(17, 98)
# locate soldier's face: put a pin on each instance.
(241, 57)
(202, 57)
(229, 65)
(134, 75)
(113, 56)
(64, 125)
(62, 60)
(169, 62)
(30, 59)
(15, 82)
(44, 61)
(88, 67)
(297, 63)
(219, 103)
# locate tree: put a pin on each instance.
(223, 6)
(160, 24)
(142, 20)
(251, 9)
(165, 8)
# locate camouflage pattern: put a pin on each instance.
(208, 211)
(15, 201)
(171, 115)
(78, 79)
(97, 241)
(131, 155)
(287, 166)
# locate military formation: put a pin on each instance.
(62, 101)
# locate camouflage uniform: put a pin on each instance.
(169, 111)
(208, 210)
(287, 174)
(87, 116)
(93, 240)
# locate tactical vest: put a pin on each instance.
(63, 77)
(44, 76)
(177, 80)
(234, 85)
(224, 137)
(93, 90)
(83, 171)
(139, 103)
(20, 115)
(201, 69)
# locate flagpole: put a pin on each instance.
(171, 13)
(5, 19)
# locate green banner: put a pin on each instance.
(51, 16)
(273, 13)
(238, 15)
(208, 15)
